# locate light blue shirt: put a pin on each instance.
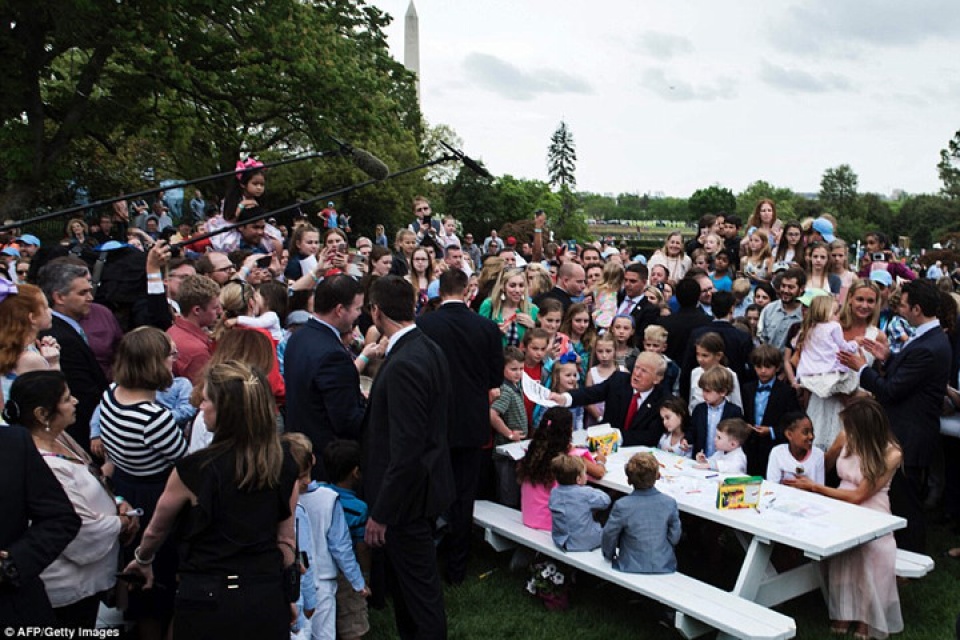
(73, 323)
(713, 419)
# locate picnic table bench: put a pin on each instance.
(701, 608)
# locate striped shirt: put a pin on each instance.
(142, 439)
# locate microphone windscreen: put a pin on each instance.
(370, 164)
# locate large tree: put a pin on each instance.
(562, 158)
(838, 191)
(202, 81)
(949, 168)
(714, 199)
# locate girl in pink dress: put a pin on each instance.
(552, 438)
(862, 581)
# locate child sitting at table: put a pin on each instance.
(673, 413)
(729, 456)
(644, 526)
(798, 457)
(715, 385)
(553, 437)
(572, 505)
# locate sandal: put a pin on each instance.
(862, 632)
(839, 628)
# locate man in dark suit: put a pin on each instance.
(475, 357)
(38, 523)
(632, 400)
(632, 301)
(69, 293)
(407, 478)
(765, 402)
(571, 281)
(737, 344)
(911, 389)
(323, 387)
(679, 325)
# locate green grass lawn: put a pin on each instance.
(492, 604)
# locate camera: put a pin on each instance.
(878, 256)
(264, 261)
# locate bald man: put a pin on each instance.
(571, 281)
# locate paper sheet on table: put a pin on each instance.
(536, 392)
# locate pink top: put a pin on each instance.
(535, 499)
(820, 347)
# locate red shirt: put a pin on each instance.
(194, 346)
(536, 373)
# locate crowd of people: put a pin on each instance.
(159, 481)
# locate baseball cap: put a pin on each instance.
(810, 294)
(825, 228)
(880, 276)
(511, 241)
(29, 238)
(11, 251)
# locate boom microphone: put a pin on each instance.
(472, 164)
(364, 160)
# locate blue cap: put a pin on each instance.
(825, 228)
(433, 290)
(880, 276)
(29, 238)
(110, 245)
(11, 251)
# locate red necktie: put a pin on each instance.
(631, 411)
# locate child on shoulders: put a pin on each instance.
(572, 505)
(798, 457)
(729, 456)
(644, 526)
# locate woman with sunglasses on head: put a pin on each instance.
(86, 569)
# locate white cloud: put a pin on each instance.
(677, 90)
(508, 80)
(663, 45)
(799, 81)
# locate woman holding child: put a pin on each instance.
(862, 582)
(858, 319)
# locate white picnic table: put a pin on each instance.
(819, 526)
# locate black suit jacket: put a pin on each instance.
(407, 474)
(782, 400)
(474, 354)
(644, 314)
(38, 523)
(645, 428)
(679, 325)
(737, 348)
(911, 389)
(84, 375)
(323, 389)
(697, 435)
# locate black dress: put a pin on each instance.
(230, 565)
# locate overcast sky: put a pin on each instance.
(674, 96)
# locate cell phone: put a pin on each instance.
(427, 220)
(878, 256)
(356, 258)
(571, 245)
(133, 578)
(342, 247)
(264, 261)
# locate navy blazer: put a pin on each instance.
(737, 348)
(407, 473)
(697, 434)
(646, 427)
(84, 376)
(323, 389)
(474, 354)
(679, 325)
(782, 400)
(911, 389)
(644, 314)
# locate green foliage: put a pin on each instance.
(562, 158)
(200, 81)
(948, 168)
(838, 191)
(712, 200)
(925, 219)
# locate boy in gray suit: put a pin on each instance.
(572, 505)
(644, 526)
